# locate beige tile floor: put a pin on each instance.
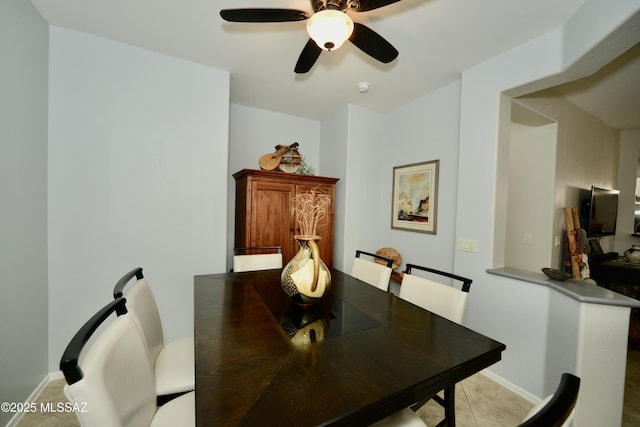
(480, 402)
(51, 394)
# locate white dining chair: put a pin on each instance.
(246, 259)
(372, 272)
(113, 383)
(173, 362)
(444, 300)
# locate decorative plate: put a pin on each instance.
(389, 253)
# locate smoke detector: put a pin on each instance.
(363, 87)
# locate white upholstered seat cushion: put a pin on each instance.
(173, 362)
(256, 262)
(404, 418)
(443, 300)
(175, 367)
(373, 273)
(180, 411)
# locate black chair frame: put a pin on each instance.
(466, 283)
(558, 409)
(69, 361)
(389, 261)
(118, 289)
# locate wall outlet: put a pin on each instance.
(528, 239)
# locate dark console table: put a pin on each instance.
(617, 270)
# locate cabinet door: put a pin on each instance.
(272, 221)
(325, 227)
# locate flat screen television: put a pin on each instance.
(599, 211)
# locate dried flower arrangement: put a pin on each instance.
(311, 207)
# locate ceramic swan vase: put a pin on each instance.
(306, 279)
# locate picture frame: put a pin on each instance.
(414, 205)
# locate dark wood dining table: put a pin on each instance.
(374, 353)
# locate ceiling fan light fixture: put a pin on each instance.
(330, 28)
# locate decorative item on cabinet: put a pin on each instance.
(285, 155)
(265, 214)
(286, 158)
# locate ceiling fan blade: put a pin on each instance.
(308, 57)
(263, 15)
(366, 5)
(372, 43)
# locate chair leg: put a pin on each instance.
(449, 405)
(447, 402)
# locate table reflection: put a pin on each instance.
(305, 325)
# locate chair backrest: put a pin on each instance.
(557, 409)
(443, 300)
(142, 306)
(114, 379)
(257, 258)
(371, 272)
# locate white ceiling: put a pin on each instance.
(437, 39)
(612, 93)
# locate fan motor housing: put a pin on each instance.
(341, 5)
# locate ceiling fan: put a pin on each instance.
(328, 26)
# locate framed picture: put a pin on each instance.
(415, 197)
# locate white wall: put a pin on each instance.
(334, 141)
(425, 129)
(254, 132)
(23, 195)
(361, 147)
(532, 164)
(137, 177)
(506, 309)
(365, 166)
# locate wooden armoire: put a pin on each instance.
(264, 211)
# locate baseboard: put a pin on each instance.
(57, 375)
(511, 387)
(33, 397)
